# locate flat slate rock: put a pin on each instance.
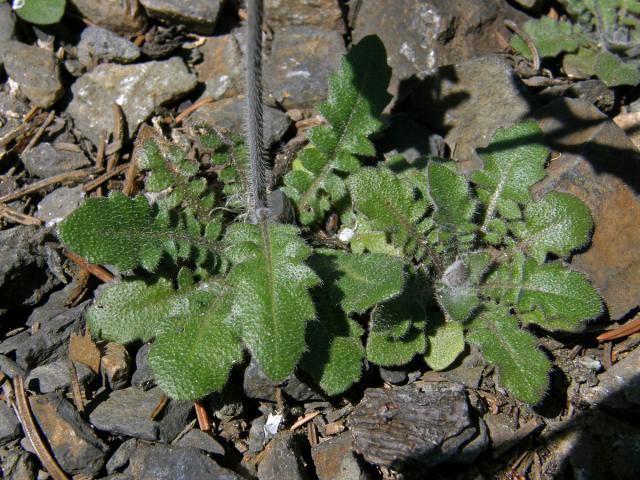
(75, 446)
(56, 376)
(468, 102)
(45, 160)
(599, 164)
(7, 23)
(229, 113)
(325, 14)
(99, 45)
(123, 18)
(283, 459)
(35, 70)
(200, 16)
(335, 459)
(55, 206)
(139, 89)
(221, 69)
(10, 428)
(406, 427)
(127, 412)
(163, 462)
(302, 58)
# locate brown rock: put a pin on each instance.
(116, 365)
(335, 459)
(221, 67)
(121, 17)
(74, 445)
(599, 164)
(319, 13)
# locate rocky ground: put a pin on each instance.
(73, 96)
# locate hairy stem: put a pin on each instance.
(255, 135)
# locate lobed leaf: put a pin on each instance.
(551, 37)
(449, 193)
(128, 233)
(358, 282)
(271, 301)
(559, 223)
(561, 298)
(513, 162)
(195, 353)
(522, 368)
(387, 351)
(357, 95)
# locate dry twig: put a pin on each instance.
(103, 178)
(32, 433)
(17, 217)
(95, 270)
(203, 419)
(535, 62)
(189, 110)
(162, 403)
(47, 182)
(622, 331)
(308, 417)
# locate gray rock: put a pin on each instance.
(505, 435)
(469, 371)
(600, 165)
(99, 45)
(120, 457)
(421, 35)
(11, 368)
(593, 91)
(10, 428)
(221, 69)
(18, 465)
(229, 113)
(301, 60)
(393, 376)
(324, 14)
(258, 386)
(23, 270)
(199, 16)
(468, 102)
(618, 387)
(256, 434)
(143, 376)
(7, 23)
(127, 412)
(405, 427)
(410, 139)
(478, 445)
(123, 18)
(49, 342)
(75, 446)
(55, 376)
(283, 459)
(44, 160)
(138, 89)
(35, 70)
(202, 441)
(162, 462)
(53, 208)
(335, 459)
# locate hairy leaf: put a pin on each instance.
(335, 352)
(271, 301)
(386, 351)
(550, 36)
(357, 95)
(559, 223)
(523, 369)
(446, 343)
(513, 162)
(358, 282)
(455, 293)
(563, 299)
(40, 12)
(613, 71)
(194, 355)
(127, 233)
(136, 310)
(450, 196)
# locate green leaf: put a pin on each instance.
(335, 352)
(450, 196)
(446, 343)
(357, 95)
(523, 369)
(513, 162)
(195, 354)
(581, 64)
(358, 282)
(562, 299)
(127, 233)
(559, 223)
(613, 71)
(41, 12)
(271, 301)
(457, 296)
(386, 351)
(136, 310)
(550, 37)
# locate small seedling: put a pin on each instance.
(432, 259)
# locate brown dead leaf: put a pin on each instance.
(83, 350)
